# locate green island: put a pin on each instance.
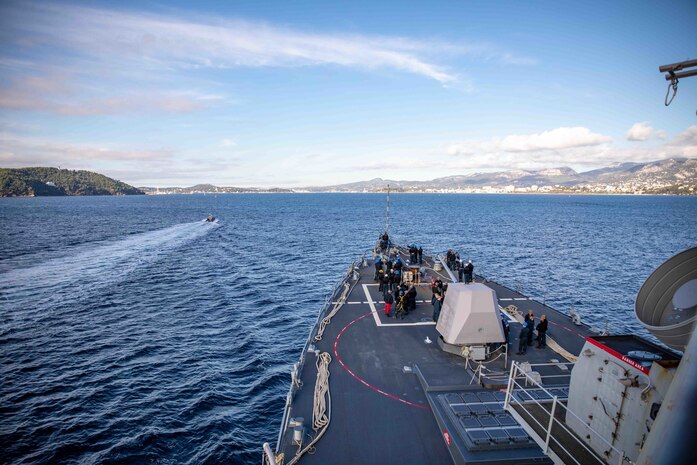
(34, 182)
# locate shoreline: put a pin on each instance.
(618, 194)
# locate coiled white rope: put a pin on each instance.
(328, 319)
(322, 405)
(322, 399)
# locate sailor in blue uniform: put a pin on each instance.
(378, 267)
(523, 339)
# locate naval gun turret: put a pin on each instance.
(470, 321)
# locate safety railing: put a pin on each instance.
(544, 434)
(300, 364)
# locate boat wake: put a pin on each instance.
(87, 267)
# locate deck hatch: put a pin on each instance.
(478, 409)
(461, 409)
(470, 422)
(486, 397)
(478, 437)
(495, 409)
(506, 420)
(488, 421)
(499, 436)
(518, 434)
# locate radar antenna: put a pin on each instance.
(674, 73)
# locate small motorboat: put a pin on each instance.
(210, 219)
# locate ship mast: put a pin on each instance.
(387, 213)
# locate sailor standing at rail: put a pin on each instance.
(469, 270)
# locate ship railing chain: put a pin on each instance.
(673, 84)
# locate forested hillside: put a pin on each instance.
(54, 181)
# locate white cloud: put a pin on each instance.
(552, 140)
(639, 132)
(685, 143)
(169, 41)
(228, 143)
(578, 147)
(560, 138)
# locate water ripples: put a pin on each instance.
(143, 336)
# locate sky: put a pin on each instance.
(292, 94)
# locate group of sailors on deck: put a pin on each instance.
(388, 274)
(465, 271)
(526, 332)
(401, 296)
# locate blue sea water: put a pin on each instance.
(133, 332)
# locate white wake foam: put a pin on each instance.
(91, 266)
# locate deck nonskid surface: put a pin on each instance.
(380, 413)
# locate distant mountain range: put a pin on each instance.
(670, 176)
(675, 174)
(211, 189)
(41, 181)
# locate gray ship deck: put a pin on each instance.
(384, 413)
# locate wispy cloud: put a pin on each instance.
(59, 95)
(81, 61)
(18, 152)
(207, 42)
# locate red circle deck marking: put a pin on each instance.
(362, 381)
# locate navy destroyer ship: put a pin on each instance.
(374, 389)
(370, 388)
